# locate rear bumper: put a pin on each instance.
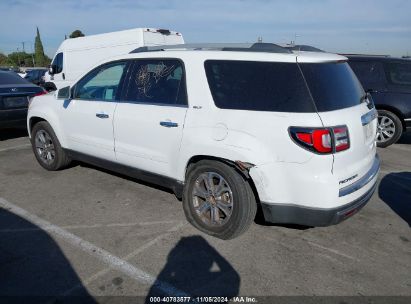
(315, 217)
(320, 217)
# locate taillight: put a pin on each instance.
(321, 140)
(341, 139)
(40, 93)
(37, 94)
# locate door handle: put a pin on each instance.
(168, 124)
(102, 115)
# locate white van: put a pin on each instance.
(78, 55)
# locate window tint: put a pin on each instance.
(368, 72)
(333, 85)
(258, 86)
(399, 73)
(58, 62)
(11, 78)
(157, 81)
(102, 83)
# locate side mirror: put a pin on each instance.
(64, 93)
(52, 69)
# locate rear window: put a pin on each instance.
(258, 86)
(333, 86)
(11, 78)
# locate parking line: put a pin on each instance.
(337, 252)
(127, 257)
(104, 256)
(15, 147)
(69, 227)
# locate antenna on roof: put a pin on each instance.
(260, 39)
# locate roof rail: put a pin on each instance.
(233, 47)
(367, 55)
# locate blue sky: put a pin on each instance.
(367, 26)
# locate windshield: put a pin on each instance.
(333, 85)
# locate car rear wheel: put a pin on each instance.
(47, 148)
(389, 129)
(218, 200)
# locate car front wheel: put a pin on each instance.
(47, 148)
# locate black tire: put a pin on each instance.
(244, 204)
(382, 140)
(61, 159)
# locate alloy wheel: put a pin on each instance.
(212, 199)
(45, 147)
(385, 129)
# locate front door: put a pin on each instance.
(88, 117)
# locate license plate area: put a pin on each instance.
(369, 122)
(15, 102)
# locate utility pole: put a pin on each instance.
(18, 58)
(24, 50)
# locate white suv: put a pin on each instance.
(228, 128)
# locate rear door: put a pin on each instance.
(339, 98)
(149, 121)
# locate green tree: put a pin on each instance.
(20, 59)
(76, 33)
(4, 60)
(40, 58)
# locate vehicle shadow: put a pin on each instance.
(405, 139)
(12, 133)
(33, 269)
(395, 191)
(196, 268)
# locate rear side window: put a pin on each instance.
(333, 86)
(157, 81)
(368, 73)
(258, 86)
(399, 74)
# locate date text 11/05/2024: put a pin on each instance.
(187, 299)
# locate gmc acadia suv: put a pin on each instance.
(227, 127)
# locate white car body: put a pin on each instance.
(293, 184)
(81, 54)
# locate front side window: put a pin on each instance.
(258, 86)
(399, 74)
(58, 63)
(157, 81)
(102, 83)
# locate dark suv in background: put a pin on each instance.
(388, 80)
(36, 76)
